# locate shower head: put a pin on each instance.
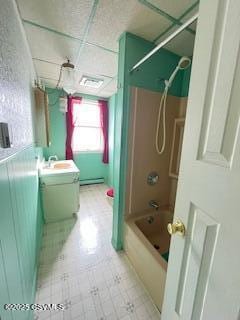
(184, 63)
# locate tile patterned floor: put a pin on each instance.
(79, 268)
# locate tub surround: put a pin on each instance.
(143, 157)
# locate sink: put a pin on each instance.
(58, 167)
(62, 165)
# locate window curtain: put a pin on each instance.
(70, 125)
(103, 105)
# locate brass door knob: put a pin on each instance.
(176, 227)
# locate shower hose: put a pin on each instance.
(161, 110)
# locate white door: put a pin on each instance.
(203, 279)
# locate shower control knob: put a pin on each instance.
(176, 228)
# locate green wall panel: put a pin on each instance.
(4, 292)
(20, 229)
(152, 73)
(91, 166)
(10, 262)
(112, 109)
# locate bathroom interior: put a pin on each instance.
(92, 117)
(33, 171)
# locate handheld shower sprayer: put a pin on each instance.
(183, 63)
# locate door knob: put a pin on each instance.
(176, 227)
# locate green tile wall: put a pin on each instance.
(20, 231)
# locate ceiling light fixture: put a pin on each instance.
(67, 78)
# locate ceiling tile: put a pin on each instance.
(114, 17)
(49, 80)
(98, 61)
(189, 15)
(193, 26)
(49, 46)
(47, 70)
(174, 27)
(50, 83)
(182, 44)
(110, 87)
(106, 94)
(63, 15)
(173, 8)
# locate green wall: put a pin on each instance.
(186, 82)
(112, 109)
(152, 73)
(20, 230)
(91, 166)
(89, 163)
(149, 76)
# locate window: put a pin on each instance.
(87, 134)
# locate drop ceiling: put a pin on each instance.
(87, 33)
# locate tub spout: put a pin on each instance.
(153, 204)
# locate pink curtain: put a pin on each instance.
(70, 125)
(103, 105)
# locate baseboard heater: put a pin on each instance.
(91, 181)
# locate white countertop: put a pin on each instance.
(44, 170)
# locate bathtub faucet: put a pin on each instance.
(153, 204)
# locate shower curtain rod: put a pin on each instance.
(164, 42)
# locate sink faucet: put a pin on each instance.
(50, 159)
(153, 204)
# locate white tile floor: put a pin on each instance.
(79, 268)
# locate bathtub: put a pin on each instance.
(146, 243)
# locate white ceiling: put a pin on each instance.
(87, 32)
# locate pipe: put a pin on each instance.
(164, 42)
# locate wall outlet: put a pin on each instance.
(4, 135)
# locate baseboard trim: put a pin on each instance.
(91, 181)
